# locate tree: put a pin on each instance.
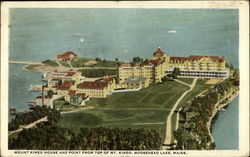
(50, 93)
(231, 67)
(116, 59)
(175, 73)
(227, 65)
(166, 78)
(137, 60)
(98, 59)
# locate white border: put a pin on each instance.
(243, 7)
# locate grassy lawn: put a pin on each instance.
(97, 72)
(79, 62)
(49, 62)
(116, 118)
(186, 80)
(142, 109)
(31, 67)
(65, 64)
(63, 105)
(155, 96)
(173, 125)
(199, 87)
(106, 64)
(58, 103)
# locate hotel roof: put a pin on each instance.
(159, 52)
(93, 85)
(196, 58)
(66, 85)
(55, 79)
(71, 73)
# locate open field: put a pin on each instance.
(199, 87)
(147, 108)
(79, 62)
(155, 96)
(92, 73)
(213, 81)
(116, 118)
(106, 64)
(186, 80)
(83, 62)
(65, 64)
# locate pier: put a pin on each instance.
(23, 62)
(35, 88)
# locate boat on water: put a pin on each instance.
(172, 31)
(35, 88)
(222, 109)
(45, 74)
(31, 103)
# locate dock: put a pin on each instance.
(35, 88)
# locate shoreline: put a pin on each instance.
(217, 108)
(24, 68)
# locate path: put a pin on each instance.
(130, 109)
(167, 140)
(23, 62)
(60, 64)
(44, 119)
(70, 64)
(134, 109)
(177, 121)
(71, 67)
(95, 68)
(54, 97)
(96, 78)
(156, 123)
(77, 110)
(182, 82)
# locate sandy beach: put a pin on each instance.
(44, 68)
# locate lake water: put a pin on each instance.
(19, 84)
(226, 127)
(39, 34)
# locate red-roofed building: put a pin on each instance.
(99, 89)
(158, 54)
(67, 56)
(65, 87)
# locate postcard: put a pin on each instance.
(125, 78)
